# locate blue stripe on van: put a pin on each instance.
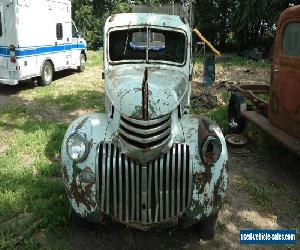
(4, 51)
(33, 51)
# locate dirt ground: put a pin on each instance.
(262, 194)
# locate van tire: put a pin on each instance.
(236, 122)
(46, 74)
(81, 67)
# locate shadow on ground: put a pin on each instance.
(9, 90)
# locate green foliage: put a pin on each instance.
(239, 24)
(226, 23)
(32, 127)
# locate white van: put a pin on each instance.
(38, 38)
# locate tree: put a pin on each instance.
(236, 24)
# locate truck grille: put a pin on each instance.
(144, 193)
(145, 134)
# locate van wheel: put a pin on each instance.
(207, 227)
(46, 74)
(81, 68)
(236, 123)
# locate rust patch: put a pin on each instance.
(219, 188)
(205, 129)
(81, 194)
(65, 173)
(81, 124)
(145, 96)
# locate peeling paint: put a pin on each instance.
(145, 93)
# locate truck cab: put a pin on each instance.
(284, 109)
(146, 162)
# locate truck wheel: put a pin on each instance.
(80, 223)
(81, 68)
(46, 74)
(236, 123)
(207, 227)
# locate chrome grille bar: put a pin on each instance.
(163, 135)
(173, 182)
(120, 189)
(144, 193)
(167, 186)
(108, 162)
(127, 190)
(138, 205)
(161, 165)
(103, 176)
(146, 131)
(115, 180)
(148, 122)
(178, 178)
(156, 192)
(145, 134)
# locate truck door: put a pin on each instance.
(3, 47)
(284, 108)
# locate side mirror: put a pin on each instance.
(78, 34)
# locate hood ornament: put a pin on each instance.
(145, 96)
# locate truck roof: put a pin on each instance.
(151, 19)
(291, 12)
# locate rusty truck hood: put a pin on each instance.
(166, 87)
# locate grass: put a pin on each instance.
(234, 60)
(259, 192)
(32, 127)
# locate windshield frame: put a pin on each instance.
(146, 60)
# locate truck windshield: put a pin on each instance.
(147, 45)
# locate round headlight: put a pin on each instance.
(211, 150)
(77, 147)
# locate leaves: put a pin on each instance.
(228, 24)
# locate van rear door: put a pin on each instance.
(3, 47)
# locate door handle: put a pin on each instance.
(276, 70)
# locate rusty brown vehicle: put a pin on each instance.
(280, 115)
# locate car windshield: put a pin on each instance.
(147, 44)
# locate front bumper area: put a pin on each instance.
(173, 188)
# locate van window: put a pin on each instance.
(74, 31)
(291, 40)
(0, 24)
(59, 31)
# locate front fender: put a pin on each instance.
(80, 178)
(209, 182)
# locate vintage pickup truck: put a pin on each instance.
(146, 162)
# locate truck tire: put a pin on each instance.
(207, 227)
(236, 123)
(81, 67)
(46, 74)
